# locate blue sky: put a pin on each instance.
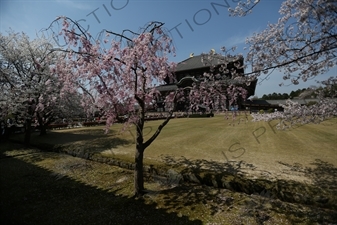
(196, 25)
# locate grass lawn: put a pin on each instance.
(48, 188)
(272, 153)
(41, 187)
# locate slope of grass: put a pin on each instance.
(260, 145)
(46, 188)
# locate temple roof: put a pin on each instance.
(195, 62)
(167, 87)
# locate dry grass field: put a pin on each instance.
(42, 187)
(271, 152)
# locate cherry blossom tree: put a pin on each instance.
(70, 106)
(302, 45)
(118, 73)
(28, 89)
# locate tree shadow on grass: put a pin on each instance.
(323, 176)
(30, 194)
(199, 165)
(257, 199)
(321, 193)
(93, 140)
(240, 208)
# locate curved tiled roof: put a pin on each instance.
(195, 62)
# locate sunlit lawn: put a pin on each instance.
(41, 187)
(213, 139)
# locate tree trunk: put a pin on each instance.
(42, 125)
(139, 179)
(139, 154)
(28, 128)
(43, 130)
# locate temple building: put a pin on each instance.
(192, 70)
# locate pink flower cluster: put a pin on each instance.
(118, 75)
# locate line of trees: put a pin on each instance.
(311, 92)
(279, 96)
(30, 89)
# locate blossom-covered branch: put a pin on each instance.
(30, 90)
(121, 71)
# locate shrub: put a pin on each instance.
(201, 115)
(57, 125)
(311, 103)
(270, 110)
